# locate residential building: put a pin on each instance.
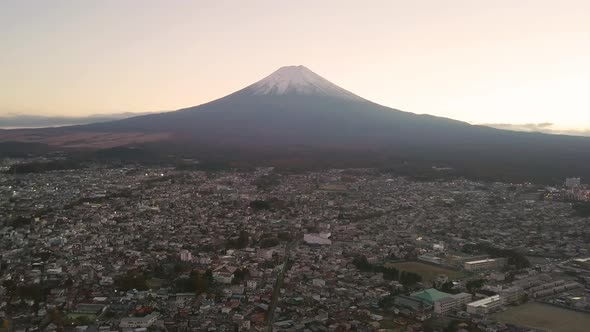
(139, 322)
(573, 182)
(485, 305)
(512, 294)
(485, 264)
(453, 302)
(185, 255)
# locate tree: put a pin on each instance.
(409, 278)
(258, 205)
(448, 287)
(133, 279)
(240, 242)
(452, 326)
(474, 285)
(209, 275)
(10, 286)
(240, 275)
(386, 301)
(390, 273)
(243, 240)
(269, 242)
(361, 263)
(582, 209)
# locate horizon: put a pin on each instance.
(266, 165)
(529, 70)
(31, 121)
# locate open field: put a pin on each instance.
(72, 139)
(427, 271)
(546, 317)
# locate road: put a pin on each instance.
(278, 285)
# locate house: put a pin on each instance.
(224, 274)
(318, 282)
(251, 284)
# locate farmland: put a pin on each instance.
(546, 317)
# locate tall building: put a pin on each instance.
(573, 182)
(185, 255)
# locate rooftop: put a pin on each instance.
(430, 295)
(485, 302)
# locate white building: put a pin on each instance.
(462, 299)
(438, 246)
(485, 264)
(204, 260)
(106, 281)
(185, 255)
(139, 322)
(316, 239)
(486, 305)
(251, 284)
(318, 282)
(454, 302)
(430, 259)
(445, 305)
(573, 182)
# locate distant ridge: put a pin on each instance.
(15, 121)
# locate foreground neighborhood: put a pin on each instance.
(136, 248)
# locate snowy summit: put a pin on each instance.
(298, 80)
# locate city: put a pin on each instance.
(131, 247)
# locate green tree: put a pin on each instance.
(474, 285)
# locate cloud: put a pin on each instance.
(542, 127)
(38, 121)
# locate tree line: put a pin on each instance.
(514, 258)
(389, 273)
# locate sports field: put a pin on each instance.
(545, 317)
(428, 272)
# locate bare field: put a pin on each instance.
(426, 271)
(545, 317)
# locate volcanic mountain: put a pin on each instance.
(294, 110)
(293, 105)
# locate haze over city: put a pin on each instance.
(520, 65)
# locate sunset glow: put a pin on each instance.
(491, 62)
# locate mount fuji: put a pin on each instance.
(291, 106)
(298, 80)
(294, 111)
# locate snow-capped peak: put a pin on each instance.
(298, 80)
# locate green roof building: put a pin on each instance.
(430, 295)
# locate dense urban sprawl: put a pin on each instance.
(125, 248)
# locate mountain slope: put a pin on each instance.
(294, 109)
(291, 106)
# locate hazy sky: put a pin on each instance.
(482, 61)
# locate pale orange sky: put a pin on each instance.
(481, 61)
